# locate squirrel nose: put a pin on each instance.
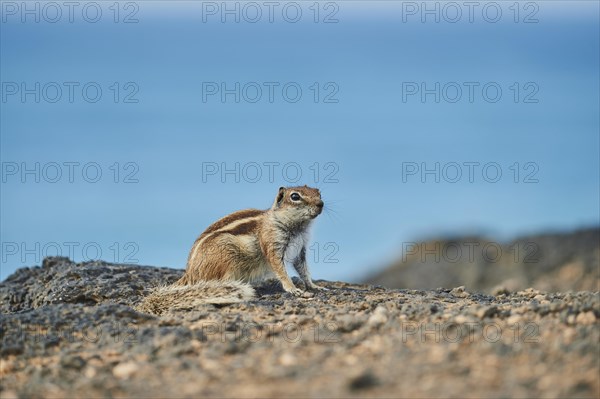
(320, 204)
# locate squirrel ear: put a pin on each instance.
(280, 196)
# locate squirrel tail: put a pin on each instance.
(187, 297)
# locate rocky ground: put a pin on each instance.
(71, 330)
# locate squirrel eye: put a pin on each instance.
(295, 197)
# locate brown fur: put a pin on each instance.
(242, 247)
(231, 218)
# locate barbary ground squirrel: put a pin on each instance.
(243, 247)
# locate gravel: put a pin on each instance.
(70, 330)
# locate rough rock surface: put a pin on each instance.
(547, 262)
(70, 330)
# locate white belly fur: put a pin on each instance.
(294, 247)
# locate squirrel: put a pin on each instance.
(244, 247)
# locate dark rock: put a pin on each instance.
(549, 262)
(73, 362)
(61, 281)
(364, 381)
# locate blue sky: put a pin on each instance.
(359, 122)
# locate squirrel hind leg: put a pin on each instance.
(189, 297)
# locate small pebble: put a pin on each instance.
(125, 370)
(459, 292)
(586, 318)
(378, 317)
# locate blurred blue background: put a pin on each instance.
(160, 133)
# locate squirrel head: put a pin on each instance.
(300, 203)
